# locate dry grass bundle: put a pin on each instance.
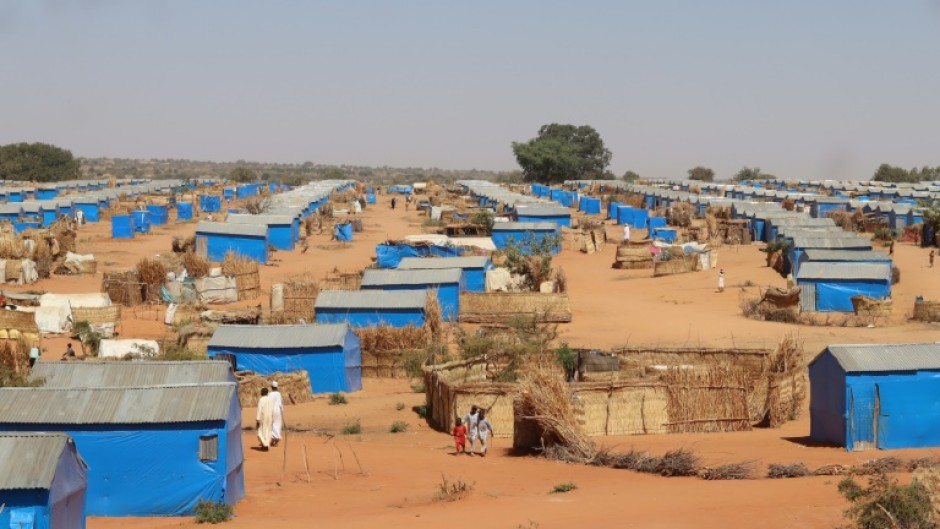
(123, 288)
(500, 308)
(882, 465)
(545, 399)
(195, 265)
(679, 462)
(64, 232)
(184, 244)
(740, 470)
(300, 296)
(42, 255)
(788, 204)
(792, 470)
(561, 280)
(710, 400)
(680, 214)
(433, 319)
(787, 385)
(245, 272)
(384, 338)
(151, 273)
(11, 248)
(758, 309)
(14, 354)
(294, 387)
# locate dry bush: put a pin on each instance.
(754, 309)
(183, 245)
(453, 490)
(42, 255)
(561, 280)
(545, 398)
(923, 462)
(152, 273)
(895, 275)
(679, 462)
(792, 470)
(881, 465)
(740, 470)
(196, 266)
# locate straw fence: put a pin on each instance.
(871, 308)
(16, 325)
(102, 319)
(123, 288)
(676, 265)
(498, 308)
(711, 400)
(299, 296)
(337, 280)
(294, 387)
(633, 256)
(928, 311)
(14, 354)
(382, 348)
(246, 274)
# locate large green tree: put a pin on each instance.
(703, 174)
(243, 174)
(890, 173)
(562, 152)
(38, 162)
(752, 173)
(631, 176)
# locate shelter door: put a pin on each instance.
(808, 297)
(862, 425)
(202, 247)
(908, 413)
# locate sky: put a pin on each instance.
(802, 88)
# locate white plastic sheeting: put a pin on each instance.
(217, 289)
(54, 313)
(122, 348)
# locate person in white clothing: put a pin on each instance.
(484, 429)
(264, 419)
(626, 232)
(278, 414)
(470, 421)
(721, 280)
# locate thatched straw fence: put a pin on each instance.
(123, 288)
(928, 311)
(382, 348)
(676, 265)
(103, 320)
(499, 308)
(294, 387)
(633, 256)
(298, 297)
(246, 274)
(18, 325)
(453, 387)
(14, 354)
(151, 273)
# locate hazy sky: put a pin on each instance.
(802, 88)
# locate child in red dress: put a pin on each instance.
(460, 437)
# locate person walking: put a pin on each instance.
(278, 414)
(626, 233)
(931, 258)
(460, 437)
(721, 280)
(393, 202)
(33, 356)
(264, 419)
(470, 421)
(891, 249)
(484, 429)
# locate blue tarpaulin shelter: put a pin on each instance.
(46, 193)
(20, 227)
(343, 231)
(625, 215)
(878, 396)
(590, 205)
(371, 308)
(526, 236)
(832, 285)
(559, 215)
(390, 254)
(90, 207)
(151, 451)
(655, 222)
(159, 214)
(446, 282)
(184, 211)
(210, 203)
(370, 198)
(42, 482)
(10, 212)
(215, 239)
(122, 227)
(141, 221)
(474, 268)
(664, 234)
(329, 353)
(612, 211)
(281, 228)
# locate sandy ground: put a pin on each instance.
(380, 479)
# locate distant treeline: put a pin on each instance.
(889, 173)
(37, 162)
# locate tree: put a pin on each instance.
(562, 152)
(751, 173)
(890, 173)
(703, 174)
(242, 174)
(38, 162)
(630, 176)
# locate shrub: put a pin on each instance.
(895, 275)
(353, 428)
(212, 512)
(9, 378)
(886, 504)
(418, 387)
(742, 470)
(337, 398)
(879, 466)
(398, 427)
(567, 359)
(453, 491)
(679, 462)
(561, 488)
(793, 470)
(423, 411)
(400, 406)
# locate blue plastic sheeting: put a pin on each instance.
(650, 201)
(404, 190)
(757, 225)
(390, 255)
(835, 295)
(281, 236)
(527, 241)
(827, 401)
(370, 199)
(555, 194)
(141, 221)
(448, 296)
(640, 217)
(15, 196)
(210, 203)
(656, 222)
(62, 505)
(330, 369)
(217, 245)
(152, 469)
(625, 215)
(158, 214)
(366, 317)
(20, 227)
(909, 411)
(664, 234)
(10, 217)
(122, 227)
(45, 194)
(184, 211)
(561, 220)
(91, 211)
(343, 232)
(228, 194)
(612, 210)
(590, 205)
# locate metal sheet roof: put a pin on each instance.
(543, 211)
(30, 460)
(524, 226)
(90, 374)
(147, 405)
(377, 278)
(224, 228)
(845, 270)
(831, 243)
(886, 357)
(280, 336)
(818, 254)
(371, 299)
(430, 263)
(265, 220)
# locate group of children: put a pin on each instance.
(476, 426)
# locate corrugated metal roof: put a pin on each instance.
(90, 374)
(886, 357)
(147, 405)
(817, 254)
(431, 263)
(845, 270)
(279, 336)
(524, 226)
(831, 243)
(371, 299)
(224, 228)
(266, 220)
(543, 211)
(377, 278)
(30, 460)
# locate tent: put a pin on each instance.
(538, 213)
(528, 237)
(210, 203)
(446, 282)
(329, 353)
(281, 228)
(42, 482)
(215, 239)
(830, 286)
(90, 207)
(390, 254)
(474, 268)
(184, 211)
(159, 214)
(343, 231)
(55, 310)
(10, 212)
(371, 308)
(122, 227)
(590, 205)
(876, 396)
(151, 451)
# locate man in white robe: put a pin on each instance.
(264, 420)
(278, 414)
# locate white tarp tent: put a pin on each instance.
(55, 310)
(121, 348)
